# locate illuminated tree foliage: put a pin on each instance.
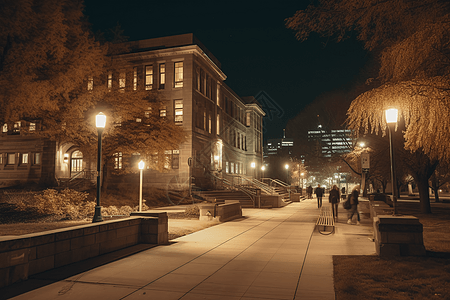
(46, 53)
(48, 58)
(412, 39)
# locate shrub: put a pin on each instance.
(110, 211)
(125, 210)
(67, 204)
(192, 211)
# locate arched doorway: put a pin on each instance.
(76, 162)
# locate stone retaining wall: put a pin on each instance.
(222, 212)
(25, 255)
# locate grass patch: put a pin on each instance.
(401, 278)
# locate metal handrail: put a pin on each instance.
(250, 193)
(83, 172)
(261, 185)
(279, 182)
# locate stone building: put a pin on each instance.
(224, 130)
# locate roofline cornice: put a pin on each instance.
(163, 53)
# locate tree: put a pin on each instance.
(412, 38)
(440, 178)
(53, 72)
(46, 55)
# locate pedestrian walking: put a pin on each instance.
(333, 198)
(309, 191)
(354, 209)
(319, 193)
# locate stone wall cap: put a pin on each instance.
(389, 219)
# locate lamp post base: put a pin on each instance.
(97, 215)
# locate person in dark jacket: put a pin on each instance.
(309, 191)
(354, 202)
(333, 198)
(319, 193)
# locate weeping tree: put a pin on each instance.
(412, 41)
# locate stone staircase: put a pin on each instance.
(219, 196)
(283, 191)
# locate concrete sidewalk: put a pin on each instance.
(268, 254)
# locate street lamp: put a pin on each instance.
(263, 168)
(286, 166)
(365, 163)
(141, 167)
(100, 122)
(391, 120)
(253, 165)
(301, 190)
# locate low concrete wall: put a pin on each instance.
(379, 208)
(221, 212)
(25, 255)
(295, 197)
(274, 201)
(398, 236)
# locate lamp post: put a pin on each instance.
(253, 165)
(141, 167)
(263, 168)
(100, 122)
(286, 166)
(302, 178)
(365, 163)
(391, 120)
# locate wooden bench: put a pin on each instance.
(325, 222)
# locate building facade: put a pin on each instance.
(224, 131)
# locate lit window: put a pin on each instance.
(1, 159)
(118, 161)
(226, 167)
(17, 126)
(217, 96)
(248, 119)
(232, 168)
(198, 79)
(122, 80)
(90, 84)
(204, 120)
(37, 158)
(218, 124)
(148, 77)
(163, 111)
(209, 124)
(135, 78)
(176, 159)
(179, 74)
(110, 77)
(162, 76)
(178, 111)
(167, 159)
(148, 112)
(11, 159)
(32, 127)
(5, 128)
(24, 159)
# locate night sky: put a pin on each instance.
(249, 38)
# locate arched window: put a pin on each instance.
(76, 162)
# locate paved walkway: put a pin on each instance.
(269, 254)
